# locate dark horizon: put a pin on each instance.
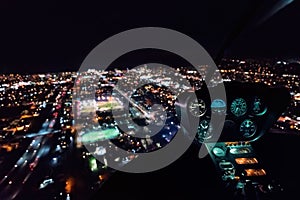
(57, 36)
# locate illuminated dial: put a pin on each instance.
(248, 128)
(197, 107)
(204, 131)
(258, 107)
(238, 107)
(219, 152)
(218, 106)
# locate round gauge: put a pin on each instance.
(238, 107)
(197, 107)
(218, 106)
(258, 107)
(248, 128)
(204, 130)
(219, 152)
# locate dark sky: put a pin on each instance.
(57, 35)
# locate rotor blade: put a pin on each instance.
(275, 9)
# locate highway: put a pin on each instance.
(34, 155)
(12, 183)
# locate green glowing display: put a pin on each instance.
(238, 107)
(248, 128)
(259, 107)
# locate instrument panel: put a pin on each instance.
(250, 110)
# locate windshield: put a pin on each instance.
(169, 92)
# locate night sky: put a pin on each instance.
(54, 35)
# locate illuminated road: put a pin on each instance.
(13, 182)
